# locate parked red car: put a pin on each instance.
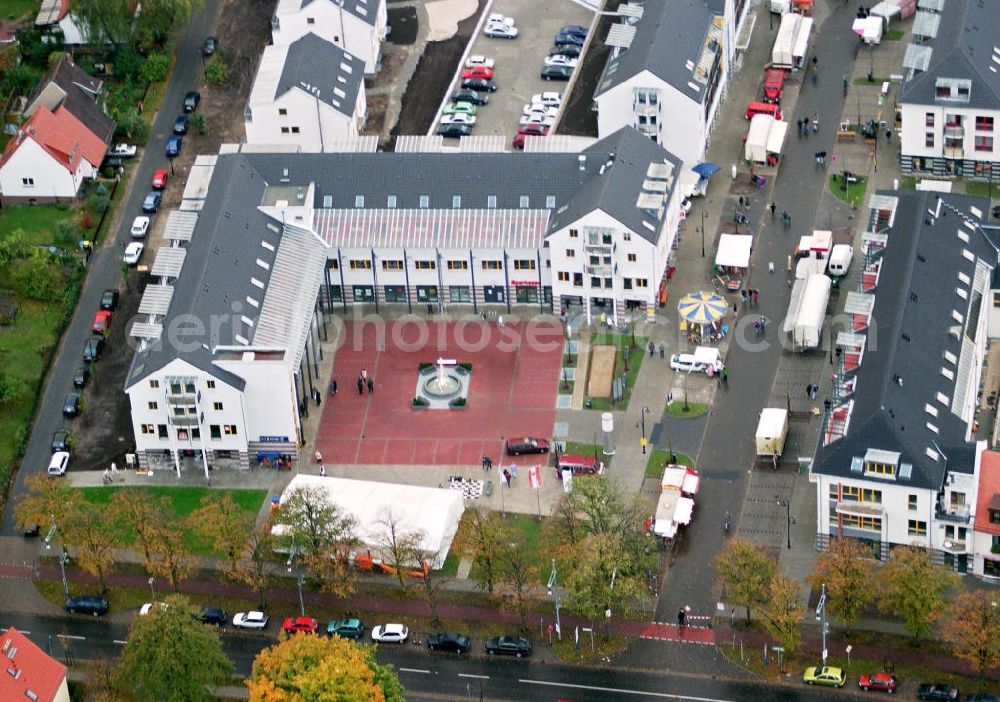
(886, 682)
(102, 320)
(774, 83)
(528, 130)
(296, 625)
(159, 179)
(478, 72)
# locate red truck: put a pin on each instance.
(774, 83)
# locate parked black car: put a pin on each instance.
(454, 130)
(181, 124)
(93, 349)
(213, 615)
(476, 98)
(509, 646)
(109, 299)
(571, 50)
(557, 72)
(449, 641)
(996, 211)
(61, 441)
(210, 46)
(938, 692)
(81, 376)
(87, 604)
(191, 101)
(480, 84)
(33, 530)
(71, 406)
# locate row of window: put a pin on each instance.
(523, 202)
(152, 406)
(850, 493)
(598, 260)
(179, 389)
(215, 431)
(599, 282)
(979, 143)
(982, 122)
(457, 294)
(365, 264)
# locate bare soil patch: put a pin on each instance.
(578, 117)
(403, 21)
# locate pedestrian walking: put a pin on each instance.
(663, 349)
(725, 375)
(741, 202)
(371, 386)
(364, 374)
(322, 471)
(361, 386)
(485, 461)
(681, 619)
(652, 349)
(816, 122)
(798, 124)
(756, 296)
(333, 386)
(844, 78)
(317, 397)
(736, 309)
(774, 206)
(506, 476)
(319, 458)
(513, 470)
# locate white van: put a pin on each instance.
(687, 363)
(840, 259)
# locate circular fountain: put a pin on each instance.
(442, 385)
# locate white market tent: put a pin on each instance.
(433, 512)
(682, 478)
(869, 29)
(672, 512)
(734, 250)
(765, 136)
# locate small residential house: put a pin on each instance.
(356, 26)
(666, 73)
(57, 15)
(950, 101)
(308, 94)
(897, 461)
(30, 673)
(986, 540)
(48, 158)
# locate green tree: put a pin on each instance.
(131, 126)
(87, 527)
(782, 612)
(146, 516)
(400, 544)
(323, 537)
(160, 18)
(12, 389)
(98, 202)
(604, 576)
(171, 656)
(224, 525)
(971, 628)
(518, 574)
(45, 500)
(37, 277)
(156, 68)
(846, 570)
(746, 572)
(305, 668)
(172, 559)
(216, 71)
(914, 589)
(109, 19)
(67, 234)
(19, 80)
(16, 245)
(483, 540)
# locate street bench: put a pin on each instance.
(846, 135)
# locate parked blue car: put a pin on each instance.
(174, 146)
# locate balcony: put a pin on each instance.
(954, 131)
(183, 399)
(954, 153)
(953, 515)
(645, 109)
(603, 271)
(597, 248)
(185, 421)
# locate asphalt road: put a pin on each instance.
(798, 188)
(432, 676)
(105, 264)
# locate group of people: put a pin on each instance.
(365, 381)
(803, 125)
(750, 296)
(508, 474)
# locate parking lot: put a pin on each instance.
(519, 61)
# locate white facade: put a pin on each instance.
(340, 26)
(302, 115)
(31, 172)
(950, 139)
(183, 410)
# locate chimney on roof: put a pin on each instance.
(582, 158)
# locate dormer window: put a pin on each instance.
(881, 463)
(955, 89)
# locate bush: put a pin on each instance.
(66, 235)
(99, 200)
(18, 80)
(419, 402)
(457, 402)
(21, 438)
(197, 122)
(14, 247)
(216, 71)
(36, 277)
(156, 68)
(424, 365)
(465, 365)
(128, 64)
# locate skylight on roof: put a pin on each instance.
(931, 453)
(252, 302)
(942, 398)
(931, 410)
(965, 279)
(933, 428)
(962, 235)
(267, 245)
(339, 93)
(346, 68)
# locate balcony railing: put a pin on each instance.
(603, 271)
(956, 515)
(186, 421)
(955, 131)
(644, 108)
(185, 399)
(954, 152)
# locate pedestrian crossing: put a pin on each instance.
(693, 634)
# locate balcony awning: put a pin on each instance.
(861, 509)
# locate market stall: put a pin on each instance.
(732, 259)
(680, 478)
(673, 511)
(764, 140)
(701, 314)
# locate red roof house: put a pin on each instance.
(30, 674)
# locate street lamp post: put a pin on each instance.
(821, 615)
(703, 232)
(553, 592)
(642, 421)
(152, 593)
(302, 604)
(788, 517)
(63, 557)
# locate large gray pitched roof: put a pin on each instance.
(323, 70)
(900, 373)
(670, 34)
(216, 279)
(81, 92)
(963, 49)
(363, 9)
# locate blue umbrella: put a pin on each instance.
(706, 170)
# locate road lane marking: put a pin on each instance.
(72, 637)
(477, 677)
(119, 642)
(597, 688)
(414, 670)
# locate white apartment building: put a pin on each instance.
(228, 333)
(667, 71)
(950, 103)
(897, 463)
(309, 94)
(357, 26)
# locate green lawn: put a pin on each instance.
(855, 192)
(694, 409)
(981, 188)
(13, 9)
(635, 356)
(527, 530)
(38, 222)
(893, 34)
(658, 460)
(183, 501)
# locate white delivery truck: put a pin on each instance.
(840, 260)
(772, 429)
(803, 323)
(780, 7)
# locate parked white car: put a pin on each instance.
(133, 252)
(687, 363)
(560, 60)
(479, 60)
(549, 99)
(140, 225)
(536, 108)
(458, 118)
(58, 463)
(250, 620)
(547, 120)
(498, 18)
(390, 633)
(500, 31)
(123, 151)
